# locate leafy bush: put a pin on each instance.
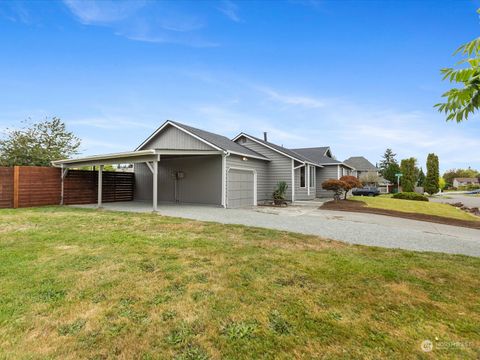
(337, 186)
(410, 196)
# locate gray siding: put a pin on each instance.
(264, 191)
(278, 169)
(325, 173)
(302, 193)
(172, 138)
(329, 172)
(201, 184)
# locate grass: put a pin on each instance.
(421, 207)
(79, 283)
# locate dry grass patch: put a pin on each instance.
(97, 284)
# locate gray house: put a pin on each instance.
(183, 164)
(361, 165)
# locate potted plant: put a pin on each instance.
(279, 193)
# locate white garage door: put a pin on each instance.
(240, 188)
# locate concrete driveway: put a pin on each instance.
(451, 198)
(354, 228)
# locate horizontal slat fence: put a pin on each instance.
(6, 187)
(25, 186)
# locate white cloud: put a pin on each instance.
(153, 22)
(108, 122)
(102, 12)
(303, 101)
(230, 10)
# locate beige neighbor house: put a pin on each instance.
(457, 182)
(182, 164)
(364, 168)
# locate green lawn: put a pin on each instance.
(421, 207)
(95, 284)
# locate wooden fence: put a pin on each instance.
(25, 186)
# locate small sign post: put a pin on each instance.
(398, 175)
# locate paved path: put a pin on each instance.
(355, 228)
(450, 198)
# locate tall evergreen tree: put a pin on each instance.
(390, 172)
(433, 174)
(409, 178)
(421, 178)
(387, 158)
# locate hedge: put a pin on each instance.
(410, 196)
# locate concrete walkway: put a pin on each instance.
(354, 228)
(450, 198)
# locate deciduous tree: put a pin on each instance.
(370, 177)
(337, 186)
(351, 182)
(464, 100)
(38, 144)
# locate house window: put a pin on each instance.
(302, 177)
(312, 176)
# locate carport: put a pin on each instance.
(163, 168)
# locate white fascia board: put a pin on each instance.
(168, 122)
(105, 157)
(267, 146)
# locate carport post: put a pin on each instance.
(155, 184)
(100, 176)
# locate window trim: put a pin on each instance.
(304, 168)
(313, 176)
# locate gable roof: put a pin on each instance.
(280, 149)
(319, 155)
(360, 163)
(218, 142)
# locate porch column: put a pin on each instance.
(155, 184)
(293, 180)
(308, 178)
(100, 176)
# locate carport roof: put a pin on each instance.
(130, 157)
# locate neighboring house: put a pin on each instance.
(182, 164)
(457, 182)
(362, 165)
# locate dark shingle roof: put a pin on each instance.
(220, 141)
(318, 155)
(360, 163)
(288, 152)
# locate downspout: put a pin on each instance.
(224, 178)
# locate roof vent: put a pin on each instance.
(265, 136)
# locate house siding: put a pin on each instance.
(278, 169)
(260, 166)
(325, 173)
(330, 172)
(172, 138)
(202, 182)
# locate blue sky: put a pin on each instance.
(359, 76)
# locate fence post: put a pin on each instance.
(16, 186)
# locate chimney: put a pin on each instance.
(265, 136)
